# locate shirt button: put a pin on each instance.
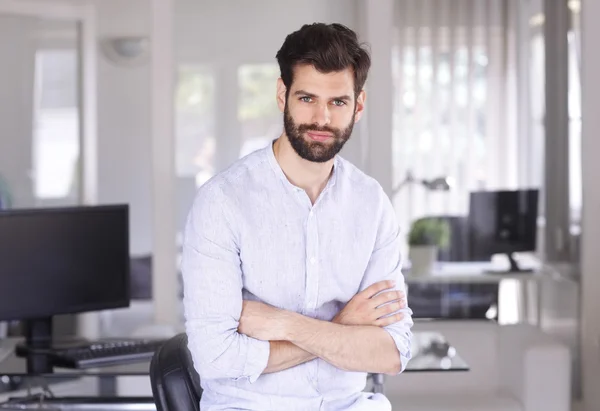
(311, 214)
(312, 260)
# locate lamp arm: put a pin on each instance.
(407, 180)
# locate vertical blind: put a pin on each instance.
(455, 101)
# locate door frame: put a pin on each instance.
(84, 15)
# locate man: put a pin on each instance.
(291, 260)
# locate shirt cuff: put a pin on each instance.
(402, 339)
(257, 358)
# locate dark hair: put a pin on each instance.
(328, 48)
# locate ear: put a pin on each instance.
(281, 90)
(360, 105)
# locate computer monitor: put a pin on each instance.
(503, 222)
(62, 261)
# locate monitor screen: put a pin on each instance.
(503, 222)
(63, 260)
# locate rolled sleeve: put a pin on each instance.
(386, 264)
(212, 283)
(257, 358)
(402, 336)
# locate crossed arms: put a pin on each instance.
(352, 341)
(232, 338)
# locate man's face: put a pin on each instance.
(319, 112)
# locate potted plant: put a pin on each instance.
(427, 236)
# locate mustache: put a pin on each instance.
(315, 127)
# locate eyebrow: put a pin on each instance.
(307, 94)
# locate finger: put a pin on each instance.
(392, 319)
(377, 287)
(389, 308)
(387, 297)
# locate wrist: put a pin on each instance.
(290, 324)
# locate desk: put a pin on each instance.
(477, 273)
(430, 352)
(530, 283)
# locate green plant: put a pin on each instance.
(429, 231)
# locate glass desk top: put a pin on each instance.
(430, 352)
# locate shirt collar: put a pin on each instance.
(277, 168)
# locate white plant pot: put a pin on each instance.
(422, 259)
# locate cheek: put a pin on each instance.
(302, 114)
(341, 118)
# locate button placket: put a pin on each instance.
(312, 268)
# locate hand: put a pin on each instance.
(368, 308)
(262, 321)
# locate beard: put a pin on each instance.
(315, 151)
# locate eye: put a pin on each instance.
(306, 99)
(339, 103)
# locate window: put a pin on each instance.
(258, 113)
(575, 181)
(56, 126)
(443, 125)
(195, 124)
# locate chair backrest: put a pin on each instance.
(175, 382)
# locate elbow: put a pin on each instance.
(394, 366)
(213, 371)
(228, 356)
(214, 357)
(212, 367)
(209, 367)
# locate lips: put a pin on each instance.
(319, 136)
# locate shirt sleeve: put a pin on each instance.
(386, 264)
(212, 284)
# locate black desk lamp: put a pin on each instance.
(443, 183)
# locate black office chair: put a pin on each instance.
(175, 383)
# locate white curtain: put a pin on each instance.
(455, 101)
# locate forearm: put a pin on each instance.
(284, 355)
(351, 348)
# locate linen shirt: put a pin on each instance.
(253, 235)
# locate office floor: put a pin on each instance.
(89, 387)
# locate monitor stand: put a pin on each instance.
(513, 269)
(38, 341)
(38, 344)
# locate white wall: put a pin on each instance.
(226, 34)
(590, 258)
(210, 31)
(124, 141)
(233, 32)
(16, 106)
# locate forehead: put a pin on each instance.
(336, 83)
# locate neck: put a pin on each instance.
(310, 176)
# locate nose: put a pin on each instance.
(321, 114)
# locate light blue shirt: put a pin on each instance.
(252, 235)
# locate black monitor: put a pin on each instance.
(62, 261)
(503, 222)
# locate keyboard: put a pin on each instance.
(105, 353)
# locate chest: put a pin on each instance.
(303, 258)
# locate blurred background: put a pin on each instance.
(473, 106)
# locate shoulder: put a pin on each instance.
(360, 184)
(229, 183)
(366, 193)
(222, 193)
